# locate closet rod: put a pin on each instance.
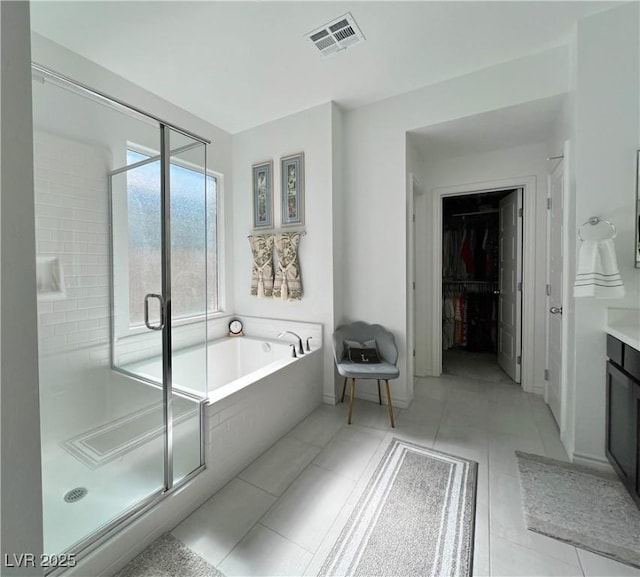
(496, 211)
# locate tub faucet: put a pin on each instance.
(300, 348)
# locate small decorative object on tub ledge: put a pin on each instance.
(235, 328)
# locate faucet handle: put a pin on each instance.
(293, 351)
(308, 347)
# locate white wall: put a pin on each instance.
(310, 132)
(606, 138)
(521, 161)
(21, 501)
(375, 264)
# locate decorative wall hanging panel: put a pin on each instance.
(292, 184)
(262, 174)
(262, 272)
(288, 284)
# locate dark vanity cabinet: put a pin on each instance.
(623, 413)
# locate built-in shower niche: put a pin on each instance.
(49, 278)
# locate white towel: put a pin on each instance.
(598, 275)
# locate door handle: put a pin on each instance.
(146, 312)
(555, 310)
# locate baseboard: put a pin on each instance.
(538, 389)
(591, 461)
(329, 399)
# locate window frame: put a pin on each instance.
(120, 257)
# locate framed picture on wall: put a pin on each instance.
(292, 183)
(263, 194)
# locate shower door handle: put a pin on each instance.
(146, 312)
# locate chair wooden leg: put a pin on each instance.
(393, 424)
(344, 388)
(353, 394)
(379, 394)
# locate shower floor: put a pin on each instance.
(113, 486)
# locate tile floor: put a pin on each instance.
(283, 513)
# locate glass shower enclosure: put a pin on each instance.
(125, 214)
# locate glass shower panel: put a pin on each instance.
(188, 250)
(102, 430)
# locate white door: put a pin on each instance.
(510, 300)
(554, 292)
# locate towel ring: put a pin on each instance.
(595, 220)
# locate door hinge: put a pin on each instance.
(549, 203)
(519, 360)
(519, 287)
(520, 212)
(414, 218)
(414, 285)
(414, 352)
(546, 374)
(548, 290)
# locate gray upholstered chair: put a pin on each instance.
(384, 370)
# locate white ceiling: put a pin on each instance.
(529, 123)
(240, 64)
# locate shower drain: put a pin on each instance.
(75, 494)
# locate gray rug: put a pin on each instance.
(416, 517)
(585, 507)
(168, 557)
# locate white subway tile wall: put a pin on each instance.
(71, 207)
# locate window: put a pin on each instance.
(193, 230)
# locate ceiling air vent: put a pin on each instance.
(336, 35)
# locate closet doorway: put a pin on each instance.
(482, 284)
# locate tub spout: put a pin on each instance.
(300, 347)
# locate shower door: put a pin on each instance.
(121, 236)
(160, 252)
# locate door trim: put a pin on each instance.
(528, 184)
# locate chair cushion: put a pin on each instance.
(382, 370)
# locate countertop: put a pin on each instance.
(624, 324)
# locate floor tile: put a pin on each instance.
(421, 433)
(319, 427)
(369, 414)
(507, 522)
(319, 470)
(511, 560)
(478, 366)
(509, 394)
(502, 452)
(350, 450)
(431, 388)
(276, 469)
(422, 410)
(307, 510)
(263, 552)
(598, 566)
(481, 552)
(512, 420)
(215, 528)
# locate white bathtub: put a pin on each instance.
(231, 364)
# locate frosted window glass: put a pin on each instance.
(193, 219)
